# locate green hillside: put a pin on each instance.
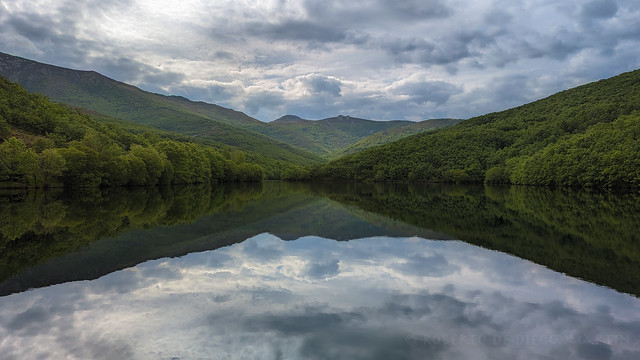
(90, 90)
(47, 144)
(393, 134)
(327, 135)
(586, 136)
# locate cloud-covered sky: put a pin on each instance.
(377, 59)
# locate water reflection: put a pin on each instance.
(52, 237)
(381, 297)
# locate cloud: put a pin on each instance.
(319, 59)
(315, 84)
(599, 9)
(431, 266)
(35, 29)
(417, 9)
(298, 31)
(437, 92)
(323, 270)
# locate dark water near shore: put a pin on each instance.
(324, 271)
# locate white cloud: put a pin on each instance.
(263, 47)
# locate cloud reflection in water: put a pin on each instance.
(316, 298)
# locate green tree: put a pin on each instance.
(136, 169)
(51, 164)
(42, 143)
(153, 161)
(4, 128)
(496, 175)
(17, 163)
(83, 168)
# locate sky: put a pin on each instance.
(316, 298)
(374, 59)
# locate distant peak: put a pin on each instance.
(287, 118)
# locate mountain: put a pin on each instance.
(585, 136)
(393, 134)
(289, 139)
(90, 90)
(327, 135)
(46, 144)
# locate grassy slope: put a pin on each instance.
(93, 91)
(393, 134)
(511, 140)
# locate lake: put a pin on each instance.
(320, 271)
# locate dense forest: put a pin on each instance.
(586, 136)
(45, 144)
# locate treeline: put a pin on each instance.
(586, 136)
(47, 144)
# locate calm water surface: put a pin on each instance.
(290, 271)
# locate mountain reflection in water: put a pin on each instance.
(255, 271)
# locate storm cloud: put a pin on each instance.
(377, 59)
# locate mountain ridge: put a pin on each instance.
(298, 141)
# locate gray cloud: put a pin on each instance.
(437, 92)
(418, 9)
(355, 50)
(600, 9)
(263, 99)
(34, 27)
(297, 30)
(319, 84)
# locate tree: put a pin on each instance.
(51, 163)
(83, 168)
(136, 169)
(17, 162)
(4, 128)
(496, 175)
(153, 161)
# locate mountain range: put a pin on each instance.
(289, 139)
(585, 136)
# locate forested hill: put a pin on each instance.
(328, 135)
(393, 134)
(585, 136)
(93, 91)
(47, 144)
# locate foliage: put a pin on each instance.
(54, 145)
(389, 135)
(17, 163)
(586, 136)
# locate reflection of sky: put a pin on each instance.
(387, 298)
